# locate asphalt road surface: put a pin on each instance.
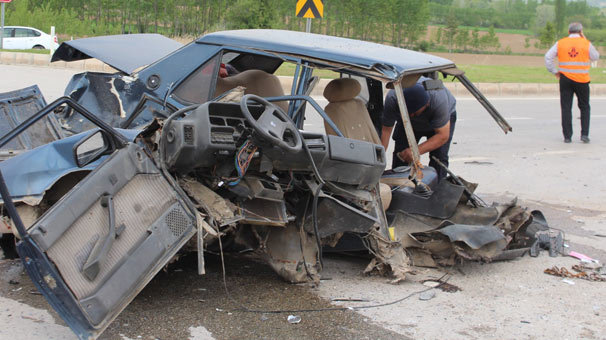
(505, 300)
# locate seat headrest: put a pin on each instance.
(342, 89)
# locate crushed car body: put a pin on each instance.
(202, 149)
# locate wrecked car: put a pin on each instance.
(202, 148)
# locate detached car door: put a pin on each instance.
(93, 251)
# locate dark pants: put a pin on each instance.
(567, 89)
(440, 153)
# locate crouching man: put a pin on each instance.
(432, 114)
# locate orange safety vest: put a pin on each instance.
(573, 58)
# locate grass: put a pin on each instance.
(520, 74)
(288, 69)
(476, 73)
(482, 74)
(28, 51)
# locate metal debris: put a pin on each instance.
(431, 283)
(294, 319)
(427, 295)
(479, 162)
(546, 240)
(581, 273)
(442, 285)
(350, 300)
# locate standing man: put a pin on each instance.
(574, 54)
(432, 111)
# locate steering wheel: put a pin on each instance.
(273, 125)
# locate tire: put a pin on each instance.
(38, 47)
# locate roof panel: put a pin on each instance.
(125, 52)
(391, 61)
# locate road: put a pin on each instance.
(505, 300)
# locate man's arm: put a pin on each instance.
(385, 134)
(550, 58)
(432, 143)
(593, 53)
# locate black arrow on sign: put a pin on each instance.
(309, 5)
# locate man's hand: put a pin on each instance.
(406, 155)
(557, 75)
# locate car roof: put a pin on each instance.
(387, 62)
(29, 28)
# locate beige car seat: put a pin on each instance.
(351, 117)
(348, 112)
(256, 82)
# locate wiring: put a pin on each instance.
(244, 155)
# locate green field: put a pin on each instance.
(288, 69)
(498, 30)
(520, 74)
(481, 74)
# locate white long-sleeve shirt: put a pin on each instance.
(552, 55)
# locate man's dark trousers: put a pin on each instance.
(567, 89)
(440, 153)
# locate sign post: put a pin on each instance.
(2, 23)
(309, 9)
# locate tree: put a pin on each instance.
(547, 36)
(475, 40)
(490, 40)
(438, 35)
(408, 19)
(560, 13)
(451, 29)
(251, 14)
(462, 40)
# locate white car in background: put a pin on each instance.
(25, 38)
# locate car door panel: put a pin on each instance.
(8, 42)
(151, 222)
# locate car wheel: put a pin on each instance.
(38, 47)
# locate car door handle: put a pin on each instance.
(92, 266)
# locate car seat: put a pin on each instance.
(256, 82)
(351, 117)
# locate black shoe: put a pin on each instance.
(585, 139)
(567, 140)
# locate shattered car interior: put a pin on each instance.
(198, 148)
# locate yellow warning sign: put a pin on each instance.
(310, 9)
